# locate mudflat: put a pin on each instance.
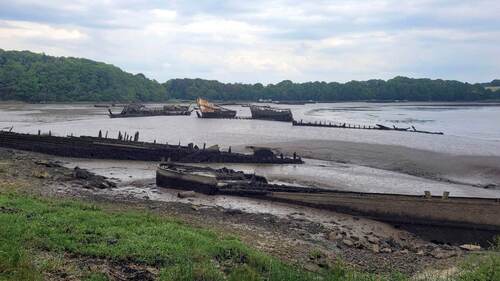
(474, 170)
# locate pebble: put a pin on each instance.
(386, 250)
(375, 248)
(348, 242)
(442, 254)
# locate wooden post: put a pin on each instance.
(446, 194)
(427, 194)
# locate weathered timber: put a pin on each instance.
(457, 212)
(380, 127)
(461, 212)
(271, 113)
(139, 110)
(121, 149)
(210, 110)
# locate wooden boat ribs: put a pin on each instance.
(128, 148)
(325, 124)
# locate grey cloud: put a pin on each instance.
(265, 41)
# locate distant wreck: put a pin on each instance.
(325, 124)
(210, 110)
(128, 147)
(271, 113)
(140, 110)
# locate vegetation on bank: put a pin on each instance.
(31, 77)
(39, 236)
(398, 88)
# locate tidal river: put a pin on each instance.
(463, 160)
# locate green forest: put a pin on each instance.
(30, 77)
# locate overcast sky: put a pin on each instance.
(264, 40)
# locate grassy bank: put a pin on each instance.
(42, 238)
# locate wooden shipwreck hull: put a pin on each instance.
(139, 110)
(461, 212)
(106, 148)
(210, 110)
(271, 113)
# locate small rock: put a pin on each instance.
(373, 239)
(354, 237)
(112, 241)
(311, 267)
(442, 254)
(81, 173)
(470, 247)
(332, 236)
(404, 251)
(358, 245)
(386, 250)
(348, 242)
(375, 248)
(186, 194)
(420, 252)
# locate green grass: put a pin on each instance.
(30, 226)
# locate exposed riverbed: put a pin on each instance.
(462, 161)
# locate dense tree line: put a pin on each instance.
(31, 77)
(494, 83)
(398, 88)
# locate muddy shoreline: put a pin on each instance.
(291, 235)
(474, 170)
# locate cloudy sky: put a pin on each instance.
(265, 40)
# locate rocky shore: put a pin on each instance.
(294, 236)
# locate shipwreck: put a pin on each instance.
(439, 211)
(140, 110)
(271, 113)
(210, 110)
(128, 147)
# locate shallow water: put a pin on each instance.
(469, 130)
